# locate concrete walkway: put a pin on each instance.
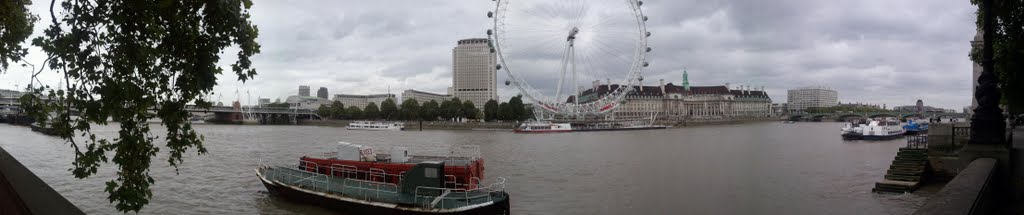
(22, 192)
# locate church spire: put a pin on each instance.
(686, 80)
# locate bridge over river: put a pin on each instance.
(844, 116)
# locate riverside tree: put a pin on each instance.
(371, 111)
(410, 109)
(428, 111)
(15, 26)
(491, 110)
(388, 109)
(469, 110)
(1008, 51)
(121, 59)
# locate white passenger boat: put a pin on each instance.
(543, 127)
(883, 130)
(376, 126)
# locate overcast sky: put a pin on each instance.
(873, 51)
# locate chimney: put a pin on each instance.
(596, 82)
(727, 86)
(609, 81)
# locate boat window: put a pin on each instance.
(430, 172)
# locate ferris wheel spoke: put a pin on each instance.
(609, 44)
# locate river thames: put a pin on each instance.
(752, 168)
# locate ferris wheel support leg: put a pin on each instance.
(561, 79)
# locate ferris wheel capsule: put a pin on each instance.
(490, 14)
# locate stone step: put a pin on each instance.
(904, 173)
(903, 178)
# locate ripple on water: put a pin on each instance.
(756, 168)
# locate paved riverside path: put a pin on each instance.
(22, 192)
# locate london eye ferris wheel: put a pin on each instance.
(572, 58)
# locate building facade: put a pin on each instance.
(474, 73)
(674, 102)
(262, 101)
(976, 44)
(303, 90)
(306, 102)
(361, 101)
(422, 97)
(803, 98)
(322, 93)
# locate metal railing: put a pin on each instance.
(330, 184)
(457, 197)
(919, 141)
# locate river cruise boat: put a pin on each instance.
(375, 126)
(883, 130)
(464, 167)
(421, 189)
(549, 127)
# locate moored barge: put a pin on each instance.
(421, 190)
(464, 167)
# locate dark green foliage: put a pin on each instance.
(429, 110)
(371, 111)
(15, 26)
(469, 110)
(388, 109)
(410, 110)
(353, 112)
(491, 110)
(517, 108)
(505, 112)
(120, 59)
(1008, 53)
(337, 110)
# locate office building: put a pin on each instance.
(422, 97)
(303, 90)
(322, 93)
(803, 98)
(474, 72)
(361, 101)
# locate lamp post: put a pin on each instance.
(987, 125)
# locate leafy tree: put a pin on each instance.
(353, 112)
(505, 112)
(1007, 53)
(517, 108)
(410, 109)
(371, 111)
(388, 109)
(453, 109)
(469, 110)
(121, 58)
(491, 110)
(16, 25)
(337, 110)
(325, 111)
(429, 110)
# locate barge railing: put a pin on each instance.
(467, 196)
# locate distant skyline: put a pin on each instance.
(870, 51)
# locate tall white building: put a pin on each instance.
(803, 98)
(474, 72)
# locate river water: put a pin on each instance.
(752, 168)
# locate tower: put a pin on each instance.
(686, 80)
(474, 71)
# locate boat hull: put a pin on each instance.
(882, 137)
(853, 136)
(354, 206)
(374, 129)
